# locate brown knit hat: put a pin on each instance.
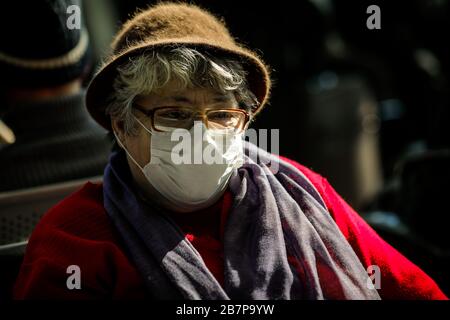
(173, 24)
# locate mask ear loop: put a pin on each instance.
(143, 126)
(126, 151)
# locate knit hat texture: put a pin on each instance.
(174, 24)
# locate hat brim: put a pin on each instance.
(101, 86)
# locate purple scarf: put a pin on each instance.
(273, 217)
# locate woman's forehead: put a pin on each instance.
(172, 93)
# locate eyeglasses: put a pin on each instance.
(166, 119)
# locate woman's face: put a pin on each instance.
(170, 96)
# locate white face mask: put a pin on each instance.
(200, 182)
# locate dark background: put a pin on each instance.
(340, 87)
(367, 109)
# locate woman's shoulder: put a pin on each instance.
(76, 232)
(80, 214)
(88, 198)
(338, 208)
(319, 182)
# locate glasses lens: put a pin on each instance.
(168, 119)
(226, 120)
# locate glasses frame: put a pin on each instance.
(150, 114)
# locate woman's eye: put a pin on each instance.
(178, 115)
(220, 115)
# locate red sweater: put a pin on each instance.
(77, 231)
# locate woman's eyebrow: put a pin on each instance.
(222, 98)
(180, 99)
(217, 98)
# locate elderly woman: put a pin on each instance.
(226, 229)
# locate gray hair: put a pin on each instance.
(151, 71)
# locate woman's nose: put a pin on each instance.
(200, 117)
